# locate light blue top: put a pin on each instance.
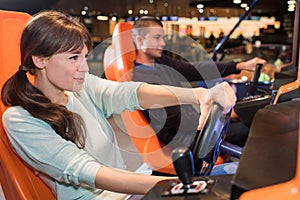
(68, 170)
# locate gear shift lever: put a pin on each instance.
(183, 164)
(252, 86)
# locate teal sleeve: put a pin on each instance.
(110, 96)
(49, 154)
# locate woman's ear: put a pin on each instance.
(39, 62)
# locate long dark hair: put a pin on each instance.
(48, 33)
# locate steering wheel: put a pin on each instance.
(208, 140)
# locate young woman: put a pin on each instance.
(58, 124)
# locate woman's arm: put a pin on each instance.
(125, 182)
(155, 96)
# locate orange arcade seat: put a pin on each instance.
(118, 64)
(18, 181)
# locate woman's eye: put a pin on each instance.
(74, 57)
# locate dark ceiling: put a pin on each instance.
(158, 7)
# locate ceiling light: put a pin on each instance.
(201, 10)
(87, 21)
(102, 18)
(244, 5)
(200, 6)
(291, 2)
(291, 8)
(237, 1)
(130, 12)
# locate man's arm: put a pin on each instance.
(208, 70)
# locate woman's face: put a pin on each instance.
(66, 71)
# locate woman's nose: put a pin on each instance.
(84, 66)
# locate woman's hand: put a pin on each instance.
(222, 94)
(157, 96)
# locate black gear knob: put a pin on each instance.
(183, 163)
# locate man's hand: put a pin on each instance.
(250, 65)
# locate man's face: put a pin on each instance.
(152, 43)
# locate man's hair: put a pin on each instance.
(141, 25)
(146, 21)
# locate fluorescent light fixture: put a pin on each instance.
(200, 6)
(102, 18)
(237, 1)
(244, 5)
